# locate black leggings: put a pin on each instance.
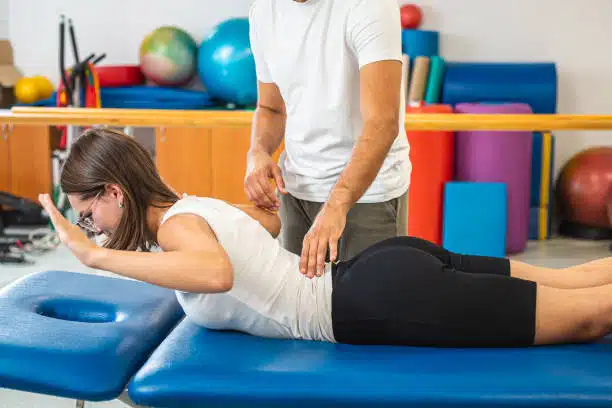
(408, 291)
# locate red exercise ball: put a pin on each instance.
(411, 16)
(583, 191)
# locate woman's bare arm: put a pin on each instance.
(192, 261)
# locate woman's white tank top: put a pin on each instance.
(269, 297)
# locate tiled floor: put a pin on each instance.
(59, 259)
(554, 253)
(561, 252)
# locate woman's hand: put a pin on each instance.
(70, 235)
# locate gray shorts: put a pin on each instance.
(366, 224)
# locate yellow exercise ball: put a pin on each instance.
(45, 87)
(26, 90)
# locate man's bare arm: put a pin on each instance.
(380, 84)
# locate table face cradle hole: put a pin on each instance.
(79, 310)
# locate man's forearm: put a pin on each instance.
(268, 130)
(365, 163)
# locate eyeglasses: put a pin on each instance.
(85, 221)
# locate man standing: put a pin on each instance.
(330, 82)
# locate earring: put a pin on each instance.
(120, 205)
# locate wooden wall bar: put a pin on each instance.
(156, 118)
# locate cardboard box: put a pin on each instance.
(9, 75)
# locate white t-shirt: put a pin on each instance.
(270, 297)
(313, 52)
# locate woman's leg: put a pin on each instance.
(400, 295)
(573, 315)
(590, 274)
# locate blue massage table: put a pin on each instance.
(94, 338)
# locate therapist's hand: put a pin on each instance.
(261, 168)
(324, 233)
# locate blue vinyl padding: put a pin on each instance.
(475, 218)
(532, 83)
(80, 336)
(154, 97)
(198, 367)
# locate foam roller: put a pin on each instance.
(420, 43)
(432, 156)
(436, 78)
(418, 81)
(499, 156)
(534, 84)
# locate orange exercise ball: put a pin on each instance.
(584, 192)
(411, 16)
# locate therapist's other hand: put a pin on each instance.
(261, 169)
(324, 233)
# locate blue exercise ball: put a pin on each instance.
(226, 65)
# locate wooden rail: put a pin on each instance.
(222, 118)
(126, 117)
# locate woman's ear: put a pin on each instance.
(114, 191)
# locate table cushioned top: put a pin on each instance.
(80, 336)
(199, 367)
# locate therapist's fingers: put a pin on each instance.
(304, 254)
(312, 256)
(321, 252)
(261, 199)
(266, 189)
(278, 179)
(333, 249)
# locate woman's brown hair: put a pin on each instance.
(103, 156)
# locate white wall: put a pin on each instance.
(4, 19)
(114, 27)
(573, 34)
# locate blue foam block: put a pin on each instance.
(531, 83)
(80, 336)
(475, 218)
(198, 367)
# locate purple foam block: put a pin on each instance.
(499, 156)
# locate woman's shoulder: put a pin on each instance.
(187, 217)
(214, 210)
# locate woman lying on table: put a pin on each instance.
(229, 271)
